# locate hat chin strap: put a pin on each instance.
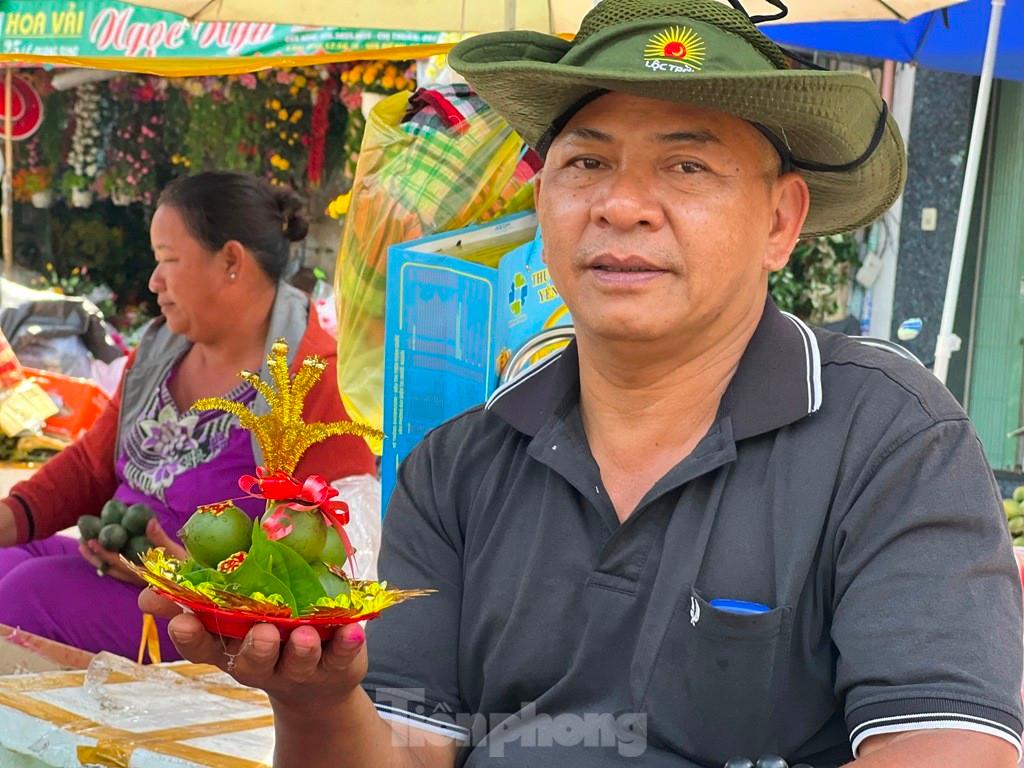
(783, 11)
(789, 161)
(559, 123)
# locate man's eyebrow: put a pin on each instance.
(700, 136)
(590, 134)
(687, 137)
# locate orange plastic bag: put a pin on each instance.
(80, 402)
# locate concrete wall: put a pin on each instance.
(937, 152)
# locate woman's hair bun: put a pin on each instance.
(294, 224)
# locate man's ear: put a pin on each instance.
(791, 200)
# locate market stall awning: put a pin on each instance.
(953, 41)
(558, 16)
(106, 34)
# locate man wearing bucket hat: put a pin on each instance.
(704, 532)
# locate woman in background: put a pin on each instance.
(221, 242)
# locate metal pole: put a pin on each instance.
(8, 196)
(948, 342)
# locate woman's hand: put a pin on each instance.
(302, 675)
(8, 528)
(109, 563)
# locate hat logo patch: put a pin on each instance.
(675, 49)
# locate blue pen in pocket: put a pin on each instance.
(741, 607)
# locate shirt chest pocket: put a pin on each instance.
(716, 680)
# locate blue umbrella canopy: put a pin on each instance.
(926, 40)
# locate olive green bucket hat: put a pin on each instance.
(832, 126)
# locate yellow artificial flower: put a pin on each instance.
(339, 206)
(368, 77)
(400, 83)
(296, 115)
(387, 82)
(273, 598)
(300, 81)
(282, 114)
(275, 104)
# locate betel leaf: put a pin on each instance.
(252, 577)
(333, 585)
(288, 566)
(198, 576)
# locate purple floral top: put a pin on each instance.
(175, 462)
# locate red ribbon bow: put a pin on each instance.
(313, 493)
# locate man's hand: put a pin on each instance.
(109, 563)
(303, 676)
(320, 709)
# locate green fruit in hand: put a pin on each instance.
(308, 534)
(333, 552)
(137, 546)
(136, 518)
(1011, 508)
(89, 527)
(113, 537)
(113, 512)
(1018, 494)
(1017, 526)
(215, 532)
(333, 585)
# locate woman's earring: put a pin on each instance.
(232, 275)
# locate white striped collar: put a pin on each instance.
(778, 381)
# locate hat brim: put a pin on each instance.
(825, 118)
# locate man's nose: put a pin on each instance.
(156, 281)
(629, 200)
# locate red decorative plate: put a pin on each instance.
(221, 621)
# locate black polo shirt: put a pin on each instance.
(841, 487)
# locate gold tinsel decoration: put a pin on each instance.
(281, 432)
(366, 599)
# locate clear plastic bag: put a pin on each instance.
(362, 494)
(414, 179)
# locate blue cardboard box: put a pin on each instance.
(459, 305)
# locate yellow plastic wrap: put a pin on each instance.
(411, 182)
